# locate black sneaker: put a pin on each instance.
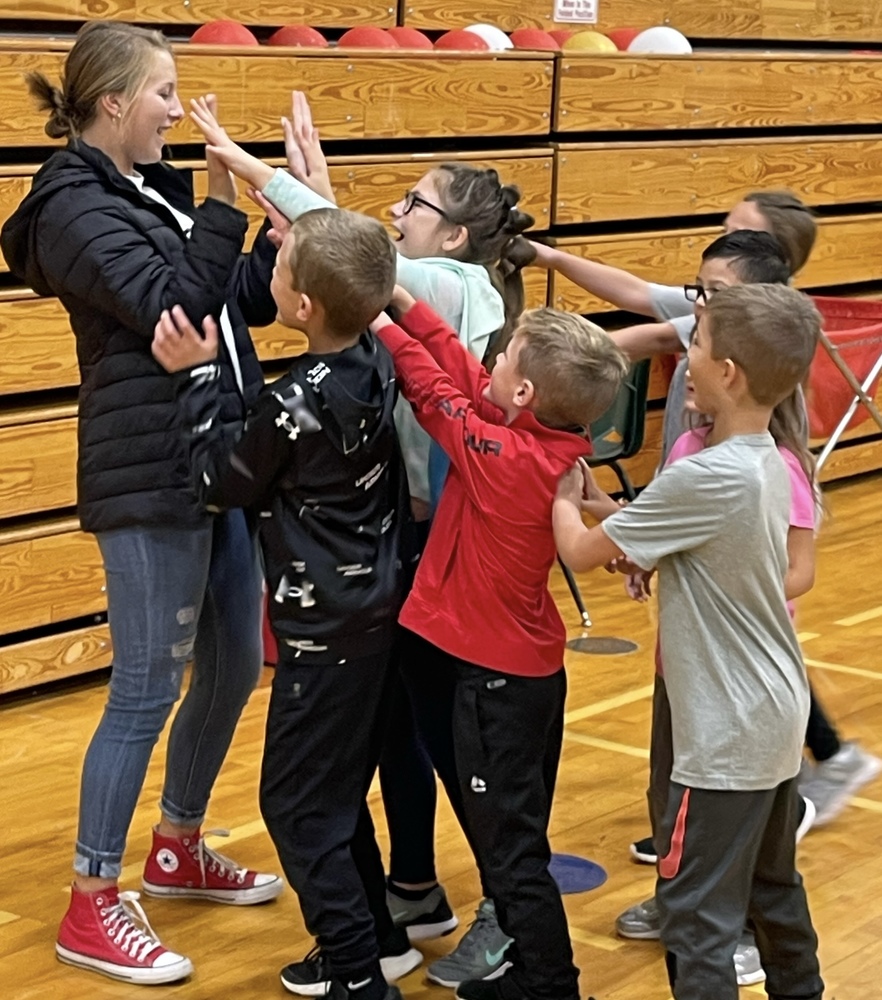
(503, 988)
(430, 917)
(643, 851)
(363, 990)
(311, 977)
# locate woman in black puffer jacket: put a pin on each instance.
(113, 233)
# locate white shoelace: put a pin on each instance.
(224, 866)
(128, 926)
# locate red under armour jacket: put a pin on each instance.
(481, 590)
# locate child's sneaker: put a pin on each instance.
(644, 852)
(480, 954)
(807, 814)
(833, 782)
(311, 977)
(430, 917)
(642, 923)
(107, 931)
(188, 867)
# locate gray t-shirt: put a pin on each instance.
(715, 524)
(670, 305)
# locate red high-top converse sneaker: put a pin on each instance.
(188, 867)
(108, 932)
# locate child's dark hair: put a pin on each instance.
(790, 221)
(107, 57)
(347, 262)
(756, 257)
(475, 198)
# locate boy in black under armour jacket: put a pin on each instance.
(319, 460)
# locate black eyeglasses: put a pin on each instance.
(695, 292)
(412, 198)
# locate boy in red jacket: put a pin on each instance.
(480, 604)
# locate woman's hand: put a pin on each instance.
(203, 111)
(221, 185)
(303, 150)
(178, 345)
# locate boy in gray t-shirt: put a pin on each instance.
(715, 526)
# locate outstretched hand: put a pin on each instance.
(281, 226)
(178, 345)
(203, 111)
(303, 150)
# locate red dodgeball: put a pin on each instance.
(223, 33)
(560, 35)
(367, 37)
(409, 38)
(622, 37)
(300, 36)
(533, 38)
(460, 40)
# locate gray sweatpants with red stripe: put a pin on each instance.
(726, 858)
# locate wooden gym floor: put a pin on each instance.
(599, 810)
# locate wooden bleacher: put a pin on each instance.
(618, 157)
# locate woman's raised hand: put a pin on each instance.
(203, 111)
(303, 150)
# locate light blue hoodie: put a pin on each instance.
(462, 295)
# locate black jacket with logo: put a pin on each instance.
(116, 258)
(319, 459)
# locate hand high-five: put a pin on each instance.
(303, 150)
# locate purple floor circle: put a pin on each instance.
(575, 874)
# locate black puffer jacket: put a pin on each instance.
(116, 259)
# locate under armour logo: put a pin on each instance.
(478, 784)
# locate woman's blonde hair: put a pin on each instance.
(107, 58)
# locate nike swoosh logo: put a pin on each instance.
(495, 957)
(358, 986)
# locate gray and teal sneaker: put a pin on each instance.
(480, 953)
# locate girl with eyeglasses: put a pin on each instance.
(460, 251)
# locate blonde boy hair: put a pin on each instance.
(345, 261)
(769, 331)
(575, 368)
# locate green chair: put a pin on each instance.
(616, 435)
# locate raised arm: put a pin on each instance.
(612, 284)
(646, 340)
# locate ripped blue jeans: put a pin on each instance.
(173, 595)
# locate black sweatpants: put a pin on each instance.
(726, 858)
(507, 733)
(324, 733)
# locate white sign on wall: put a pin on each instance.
(576, 11)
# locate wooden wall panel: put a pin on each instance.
(617, 91)
(597, 181)
(37, 463)
(822, 20)
(848, 250)
(323, 13)
(53, 658)
(49, 579)
(37, 348)
(372, 97)
(355, 96)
